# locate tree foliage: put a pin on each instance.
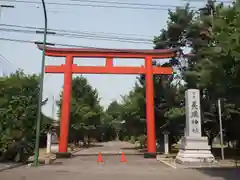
(86, 112)
(18, 108)
(211, 37)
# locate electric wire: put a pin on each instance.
(159, 7)
(94, 37)
(5, 60)
(66, 45)
(6, 65)
(126, 3)
(110, 4)
(35, 42)
(87, 35)
(204, 1)
(79, 32)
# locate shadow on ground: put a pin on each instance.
(140, 150)
(130, 148)
(229, 153)
(224, 173)
(106, 154)
(93, 145)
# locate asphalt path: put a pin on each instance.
(84, 166)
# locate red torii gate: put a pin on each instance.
(69, 68)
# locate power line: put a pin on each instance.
(78, 32)
(79, 35)
(126, 3)
(5, 60)
(160, 7)
(204, 1)
(223, 1)
(68, 45)
(82, 36)
(5, 65)
(58, 44)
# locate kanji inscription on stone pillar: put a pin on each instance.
(193, 113)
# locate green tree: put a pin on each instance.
(133, 112)
(219, 68)
(187, 28)
(114, 117)
(212, 66)
(114, 110)
(18, 108)
(86, 112)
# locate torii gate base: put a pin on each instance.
(69, 68)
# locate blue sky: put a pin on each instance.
(108, 20)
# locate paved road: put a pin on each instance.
(113, 147)
(136, 168)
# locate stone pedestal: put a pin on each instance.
(194, 150)
(193, 147)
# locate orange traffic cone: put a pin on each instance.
(100, 160)
(123, 157)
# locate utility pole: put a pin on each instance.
(53, 107)
(220, 127)
(219, 100)
(39, 112)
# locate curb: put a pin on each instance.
(195, 166)
(25, 163)
(206, 166)
(11, 167)
(168, 164)
(162, 160)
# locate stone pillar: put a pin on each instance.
(166, 143)
(194, 147)
(49, 142)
